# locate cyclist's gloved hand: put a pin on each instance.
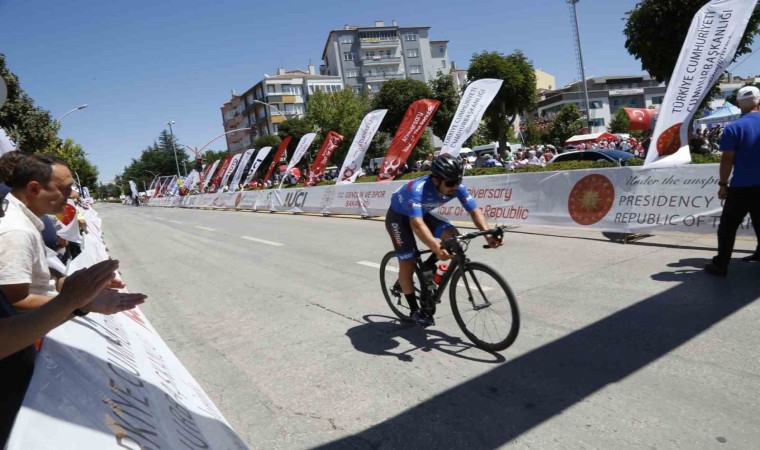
(442, 253)
(493, 241)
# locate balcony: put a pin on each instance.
(382, 61)
(373, 43)
(382, 76)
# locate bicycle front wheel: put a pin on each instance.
(484, 306)
(392, 290)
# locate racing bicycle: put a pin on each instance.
(482, 302)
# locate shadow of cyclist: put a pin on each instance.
(379, 336)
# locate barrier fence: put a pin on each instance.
(623, 199)
(111, 382)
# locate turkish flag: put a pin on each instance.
(640, 119)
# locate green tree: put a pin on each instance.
(296, 128)
(396, 96)
(268, 140)
(74, 155)
(32, 128)
(620, 122)
(566, 124)
(517, 93)
(209, 156)
(157, 159)
(445, 92)
(341, 112)
(655, 31)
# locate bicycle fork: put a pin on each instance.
(485, 303)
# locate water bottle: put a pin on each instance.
(439, 273)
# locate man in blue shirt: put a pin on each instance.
(410, 215)
(740, 145)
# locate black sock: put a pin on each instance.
(412, 300)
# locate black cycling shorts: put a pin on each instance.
(400, 229)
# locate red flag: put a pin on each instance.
(415, 121)
(640, 118)
(276, 160)
(332, 142)
(220, 174)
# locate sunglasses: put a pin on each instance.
(452, 183)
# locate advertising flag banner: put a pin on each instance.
(331, 143)
(303, 145)
(217, 180)
(133, 188)
(709, 48)
(276, 160)
(260, 157)
(231, 169)
(416, 119)
(353, 163)
(208, 173)
(472, 106)
(241, 168)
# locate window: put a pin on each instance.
(657, 100)
(414, 53)
(415, 69)
(443, 63)
(358, 89)
(262, 113)
(293, 109)
(596, 105)
(352, 73)
(369, 55)
(259, 93)
(347, 39)
(410, 37)
(597, 122)
(348, 56)
(294, 89)
(441, 48)
(271, 88)
(275, 128)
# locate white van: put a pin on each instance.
(374, 164)
(468, 154)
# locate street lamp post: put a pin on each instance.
(174, 146)
(69, 112)
(579, 55)
(297, 115)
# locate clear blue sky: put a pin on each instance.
(141, 63)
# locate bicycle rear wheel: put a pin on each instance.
(484, 306)
(392, 291)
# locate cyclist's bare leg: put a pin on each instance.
(406, 276)
(449, 233)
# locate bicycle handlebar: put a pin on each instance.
(497, 232)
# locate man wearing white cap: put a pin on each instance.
(740, 145)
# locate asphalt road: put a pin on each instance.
(281, 320)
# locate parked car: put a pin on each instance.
(614, 156)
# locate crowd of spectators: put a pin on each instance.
(36, 296)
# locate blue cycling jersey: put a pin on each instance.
(420, 196)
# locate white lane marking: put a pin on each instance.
(395, 269)
(175, 221)
(204, 228)
(376, 266)
(262, 241)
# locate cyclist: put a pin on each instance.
(410, 214)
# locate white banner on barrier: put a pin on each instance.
(209, 173)
(625, 199)
(303, 145)
(230, 170)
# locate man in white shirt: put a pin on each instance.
(40, 184)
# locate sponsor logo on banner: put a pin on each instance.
(591, 199)
(276, 160)
(367, 130)
(331, 143)
(416, 119)
(327, 197)
(295, 199)
(472, 106)
(709, 48)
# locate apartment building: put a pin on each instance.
(365, 57)
(606, 95)
(270, 102)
